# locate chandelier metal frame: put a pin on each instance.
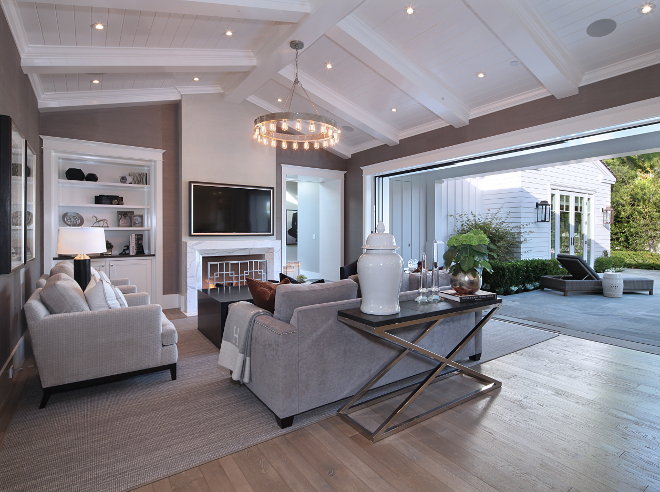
(324, 131)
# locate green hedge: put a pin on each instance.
(646, 260)
(513, 277)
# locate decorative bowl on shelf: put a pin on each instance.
(73, 219)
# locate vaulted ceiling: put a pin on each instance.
(423, 64)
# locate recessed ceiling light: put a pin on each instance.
(410, 11)
(328, 65)
(96, 81)
(481, 75)
(196, 79)
(646, 8)
(514, 63)
(98, 26)
(394, 110)
(348, 129)
(279, 99)
(228, 33)
(600, 28)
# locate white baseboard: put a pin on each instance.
(170, 301)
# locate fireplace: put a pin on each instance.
(197, 251)
(232, 271)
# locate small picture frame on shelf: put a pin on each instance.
(125, 218)
(138, 178)
(138, 220)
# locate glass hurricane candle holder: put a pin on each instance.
(422, 292)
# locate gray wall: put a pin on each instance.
(18, 101)
(617, 91)
(153, 126)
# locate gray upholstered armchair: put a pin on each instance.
(75, 349)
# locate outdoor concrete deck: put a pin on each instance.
(630, 321)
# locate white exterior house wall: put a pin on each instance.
(423, 206)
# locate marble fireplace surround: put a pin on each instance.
(195, 250)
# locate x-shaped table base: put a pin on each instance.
(389, 427)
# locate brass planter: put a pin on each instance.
(466, 283)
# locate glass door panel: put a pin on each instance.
(578, 226)
(565, 224)
(570, 230)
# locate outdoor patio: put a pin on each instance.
(630, 321)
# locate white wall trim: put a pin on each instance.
(618, 117)
(630, 65)
(20, 342)
(106, 149)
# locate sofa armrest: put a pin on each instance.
(74, 347)
(274, 365)
(139, 299)
(127, 289)
(120, 281)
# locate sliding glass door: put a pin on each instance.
(570, 230)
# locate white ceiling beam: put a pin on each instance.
(278, 54)
(83, 59)
(341, 106)
(267, 10)
(340, 149)
(354, 36)
(520, 27)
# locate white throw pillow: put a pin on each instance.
(101, 296)
(94, 273)
(120, 296)
(104, 277)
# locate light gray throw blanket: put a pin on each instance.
(236, 343)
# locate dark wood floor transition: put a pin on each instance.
(572, 415)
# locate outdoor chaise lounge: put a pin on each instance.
(583, 278)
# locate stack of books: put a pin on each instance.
(480, 295)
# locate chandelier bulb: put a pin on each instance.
(272, 126)
(298, 125)
(306, 146)
(265, 141)
(273, 142)
(312, 126)
(325, 144)
(259, 139)
(284, 144)
(316, 145)
(295, 145)
(285, 125)
(323, 129)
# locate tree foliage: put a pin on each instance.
(506, 237)
(636, 202)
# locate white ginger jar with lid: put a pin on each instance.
(380, 270)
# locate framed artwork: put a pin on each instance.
(125, 218)
(138, 220)
(291, 227)
(30, 203)
(12, 196)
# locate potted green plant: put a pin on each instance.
(301, 278)
(108, 247)
(465, 259)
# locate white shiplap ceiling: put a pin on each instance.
(424, 64)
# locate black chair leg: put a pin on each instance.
(173, 371)
(475, 357)
(44, 398)
(285, 422)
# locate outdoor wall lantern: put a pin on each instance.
(608, 215)
(542, 211)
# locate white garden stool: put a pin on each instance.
(612, 284)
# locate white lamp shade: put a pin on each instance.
(80, 240)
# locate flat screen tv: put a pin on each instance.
(223, 210)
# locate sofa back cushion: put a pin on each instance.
(291, 297)
(62, 267)
(62, 294)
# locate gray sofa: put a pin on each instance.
(303, 357)
(75, 349)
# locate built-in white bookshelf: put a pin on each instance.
(109, 162)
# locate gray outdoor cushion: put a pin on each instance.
(289, 297)
(62, 294)
(62, 267)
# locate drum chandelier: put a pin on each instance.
(306, 129)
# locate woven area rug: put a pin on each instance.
(122, 435)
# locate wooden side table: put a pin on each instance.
(413, 313)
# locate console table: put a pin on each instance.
(413, 313)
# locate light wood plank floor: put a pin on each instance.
(572, 415)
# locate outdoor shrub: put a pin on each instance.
(609, 263)
(507, 238)
(512, 277)
(646, 260)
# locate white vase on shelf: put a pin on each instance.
(380, 270)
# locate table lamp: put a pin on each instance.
(81, 241)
